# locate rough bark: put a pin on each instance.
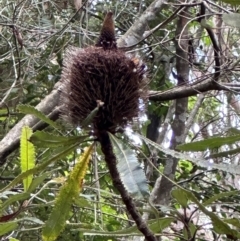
(186, 90)
(136, 31)
(162, 194)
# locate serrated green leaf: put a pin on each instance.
(210, 143)
(219, 196)
(44, 139)
(68, 193)
(131, 173)
(27, 155)
(42, 166)
(27, 109)
(7, 227)
(181, 197)
(14, 198)
(235, 169)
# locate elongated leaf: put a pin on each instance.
(210, 143)
(131, 173)
(27, 109)
(181, 197)
(37, 181)
(68, 193)
(27, 155)
(44, 139)
(14, 198)
(156, 225)
(219, 196)
(30, 220)
(90, 117)
(40, 167)
(235, 169)
(7, 227)
(224, 153)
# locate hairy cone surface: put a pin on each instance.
(105, 77)
(94, 75)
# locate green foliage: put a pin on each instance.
(181, 197)
(12, 199)
(156, 225)
(185, 168)
(210, 143)
(45, 162)
(88, 120)
(130, 171)
(7, 227)
(27, 109)
(232, 2)
(219, 196)
(27, 155)
(44, 139)
(37, 181)
(68, 193)
(197, 161)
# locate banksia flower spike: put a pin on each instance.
(102, 74)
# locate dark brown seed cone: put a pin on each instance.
(91, 76)
(107, 39)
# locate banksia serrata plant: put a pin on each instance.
(112, 84)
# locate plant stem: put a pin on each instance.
(111, 161)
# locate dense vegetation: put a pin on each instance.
(178, 158)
